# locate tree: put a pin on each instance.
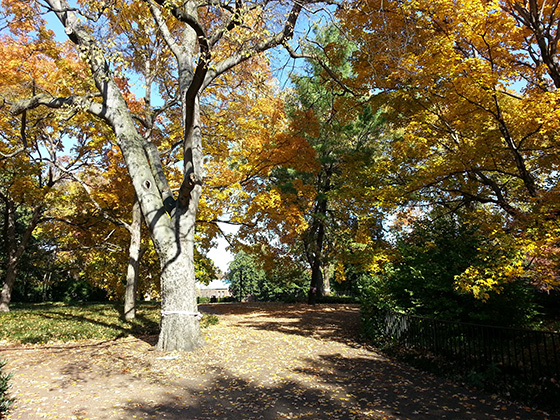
(445, 73)
(31, 165)
(244, 276)
(250, 280)
(5, 401)
(26, 56)
(99, 216)
(429, 256)
(342, 133)
(205, 40)
(311, 205)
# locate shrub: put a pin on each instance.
(421, 280)
(375, 301)
(208, 320)
(5, 401)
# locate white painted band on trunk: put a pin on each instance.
(195, 314)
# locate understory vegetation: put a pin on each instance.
(424, 273)
(5, 401)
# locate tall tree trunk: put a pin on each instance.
(314, 287)
(315, 253)
(134, 255)
(315, 257)
(7, 287)
(316, 265)
(327, 274)
(14, 250)
(173, 237)
(180, 328)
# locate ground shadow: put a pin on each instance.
(143, 329)
(333, 322)
(333, 382)
(333, 387)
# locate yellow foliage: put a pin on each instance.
(340, 272)
(475, 119)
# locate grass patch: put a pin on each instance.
(61, 322)
(208, 320)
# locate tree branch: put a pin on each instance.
(106, 215)
(281, 37)
(83, 102)
(325, 67)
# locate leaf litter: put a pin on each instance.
(261, 361)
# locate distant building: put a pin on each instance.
(217, 288)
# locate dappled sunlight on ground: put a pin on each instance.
(259, 362)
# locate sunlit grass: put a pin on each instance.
(60, 322)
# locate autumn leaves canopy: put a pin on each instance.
(470, 90)
(404, 108)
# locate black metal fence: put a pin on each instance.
(516, 355)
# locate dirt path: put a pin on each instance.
(260, 362)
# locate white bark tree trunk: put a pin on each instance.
(171, 222)
(180, 329)
(134, 255)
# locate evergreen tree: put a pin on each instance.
(245, 276)
(343, 134)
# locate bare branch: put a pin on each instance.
(280, 38)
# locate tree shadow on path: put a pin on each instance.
(263, 362)
(334, 387)
(355, 384)
(332, 322)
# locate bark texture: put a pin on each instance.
(134, 256)
(316, 238)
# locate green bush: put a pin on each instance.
(5, 401)
(421, 280)
(337, 299)
(375, 300)
(208, 320)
